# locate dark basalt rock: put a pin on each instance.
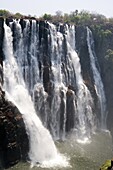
(1, 49)
(70, 110)
(82, 50)
(14, 144)
(46, 79)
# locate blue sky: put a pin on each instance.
(39, 7)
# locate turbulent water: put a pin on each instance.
(88, 156)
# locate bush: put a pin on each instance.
(109, 55)
(5, 13)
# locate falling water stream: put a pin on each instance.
(97, 79)
(42, 148)
(84, 98)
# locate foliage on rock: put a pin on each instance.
(106, 165)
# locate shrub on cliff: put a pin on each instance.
(109, 56)
(107, 165)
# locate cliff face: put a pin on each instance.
(103, 37)
(12, 128)
(1, 49)
(103, 44)
(82, 50)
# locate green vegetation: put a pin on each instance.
(106, 33)
(106, 165)
(109, 55)
(78, 18)
(47, 17)
(102, 31)
(5, 13)
(17, 15)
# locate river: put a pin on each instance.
(85, 155)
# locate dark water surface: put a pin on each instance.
(88, 156)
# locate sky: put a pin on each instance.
(40, 7)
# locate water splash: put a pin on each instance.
(57, 124)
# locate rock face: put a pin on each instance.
(103, 42)
(14, 143)
(1, 50)
(82, 49)
(71, 117)
(103, 38)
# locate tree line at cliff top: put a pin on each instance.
(83, 17)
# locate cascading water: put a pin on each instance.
(42, 148)
(84, 100)
(97, 79)
(25, 50)
(57, 127)
(66, 103)
(26, 53)
(70, 74)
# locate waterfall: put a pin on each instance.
(26, 48)
(47, 68)
(66, 73)
(42, 148)
(83, 119)
(84, 99)
(59, 90)
(97, 79)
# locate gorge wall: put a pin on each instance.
(48, 48)
(103, 39)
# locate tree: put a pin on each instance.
(47, 17)
(17, 15)
(5, 13)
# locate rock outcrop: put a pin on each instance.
(1, 50)
(14, 144)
